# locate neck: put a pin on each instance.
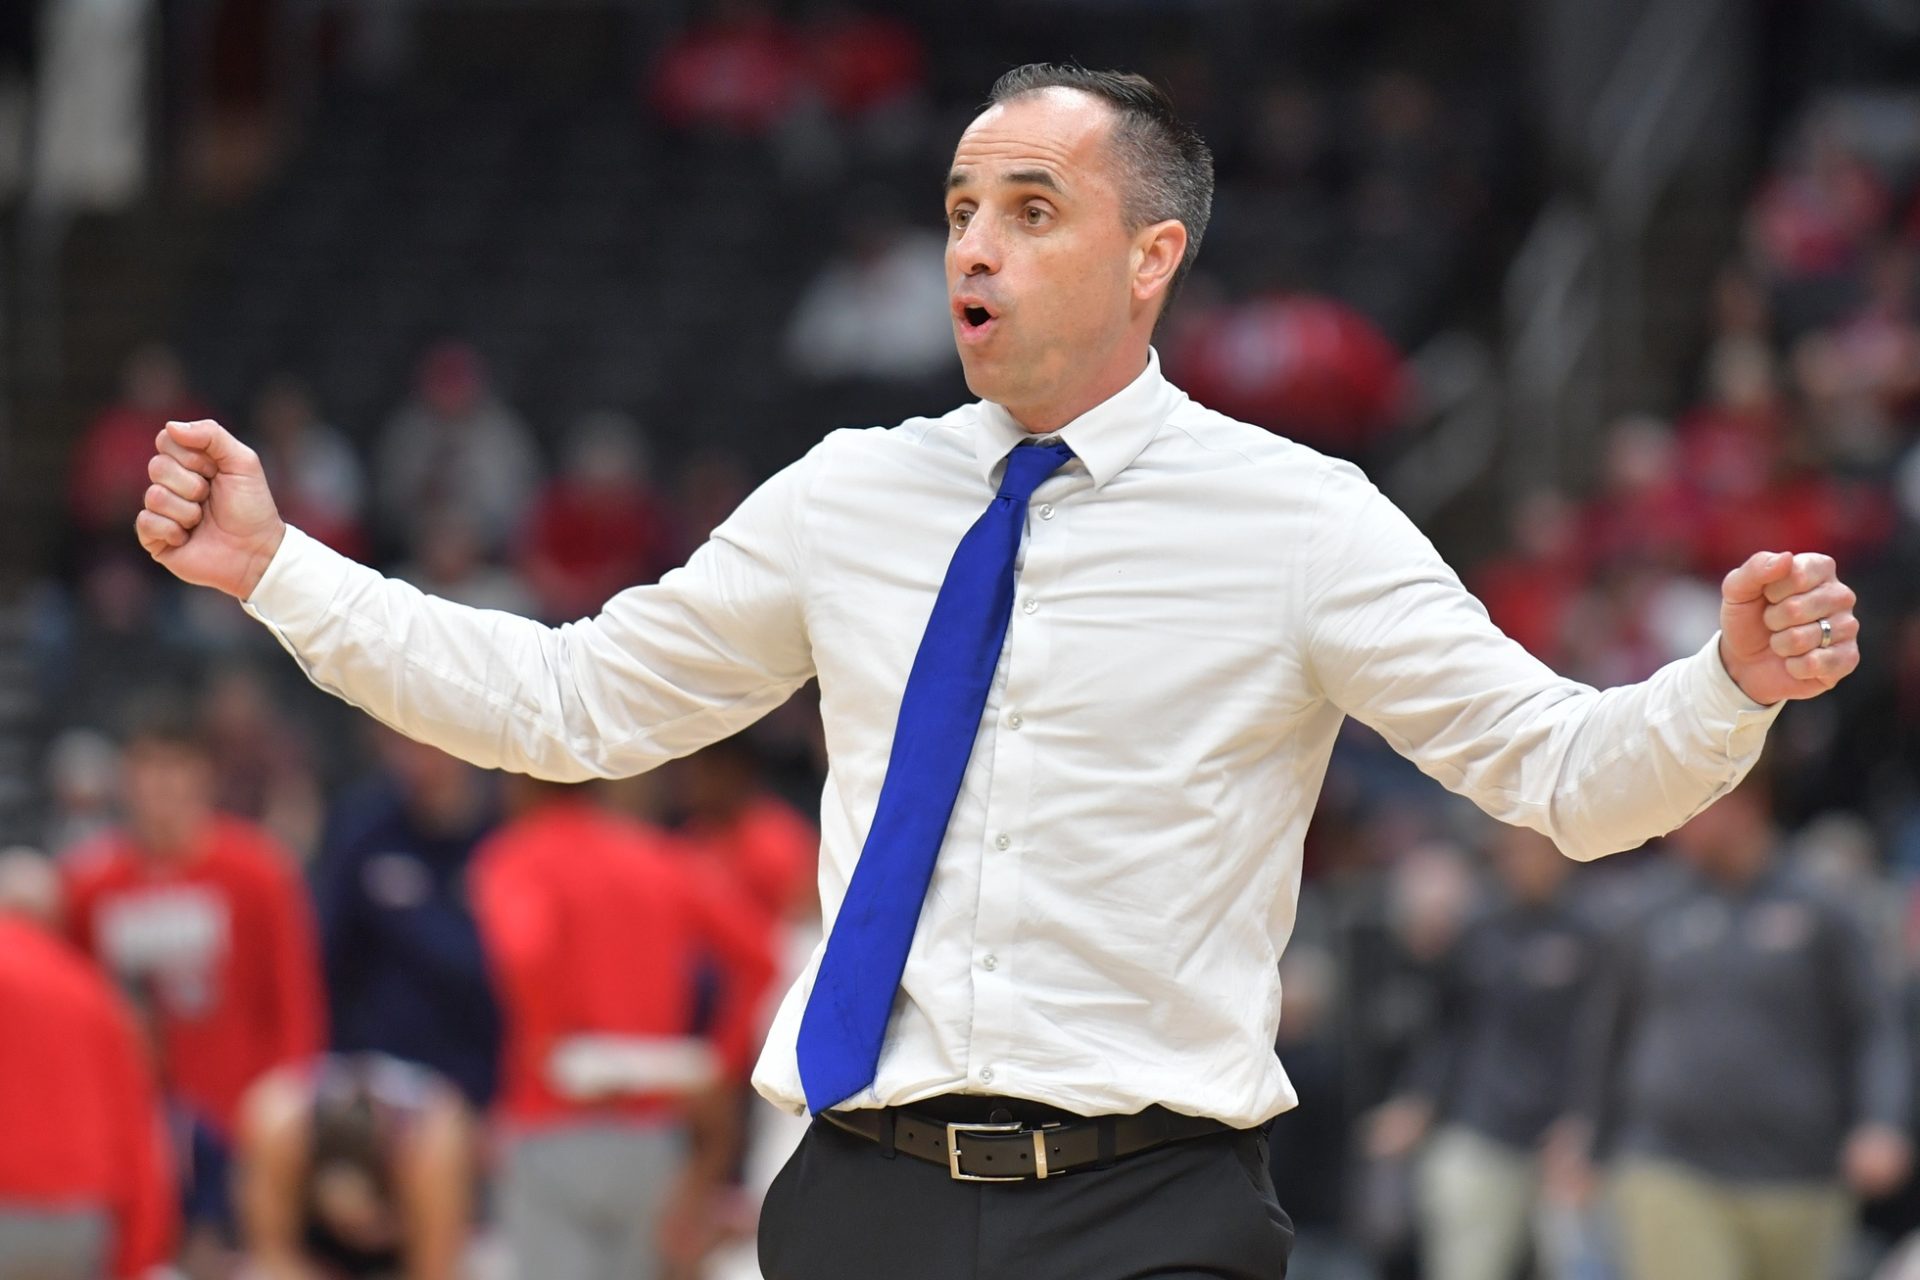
(448, 808)
(174, 841)
(1120, 372)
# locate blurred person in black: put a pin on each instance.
(1745, 1069)
(1492, 1075)
(355, 1166)
(405, 971)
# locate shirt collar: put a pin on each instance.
(1107, 437)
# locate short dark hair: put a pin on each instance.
(1169, 166)
(165, 719)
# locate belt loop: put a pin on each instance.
(1104, 1127)
(886, 1132)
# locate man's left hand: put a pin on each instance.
(1771, 608)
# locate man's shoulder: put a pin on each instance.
(950, 430)
(1244, 444)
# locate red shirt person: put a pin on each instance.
(203, 919)
(109, 472)
(595, 927)
(765, 847)
(79, 1107)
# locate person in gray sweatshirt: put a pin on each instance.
(1493, 1074)
(1746, 1070)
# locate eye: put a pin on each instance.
(958, 218)
(1036, 214)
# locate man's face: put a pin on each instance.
(1039, 258)
(168, 789)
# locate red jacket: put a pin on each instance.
(218, 946)
(80, 1118)
(769, 851)
(596, 924)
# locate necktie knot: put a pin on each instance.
(1028, 465)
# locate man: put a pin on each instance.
(598, 927)
(85, 1184)
(355, 1166)
(1493, 1075)
(406, 975)
(202, 918)
(1069, 779)
(1748, 1068)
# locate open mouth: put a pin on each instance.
(975, 319)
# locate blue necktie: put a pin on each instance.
(846, 1016)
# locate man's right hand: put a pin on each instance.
(209, 517)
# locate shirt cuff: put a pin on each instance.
(1729, 716)
(299, 585)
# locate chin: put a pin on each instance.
(980, 382)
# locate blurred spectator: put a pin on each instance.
(85, 1189)
(1864, 371)
(83, 784)
(599, 526)
(1411, 193)
(1814, 218)
(1403, 925)
(862, 63)
(451, 561)
(406, 975)
(711, 485)
(260, 760)
(455, 447)
(116, 637)
(741, 69)
(201, 919)
(316, 476)
(879, 308)
(355, 1166)
(1530, 590)
(1308, 1146)
(109, 474)
(766, 849)
(1493, 1072)
(1747, 1070)
(1642, 513)
(1309, 368)
(596, 926)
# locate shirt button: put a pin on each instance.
(986, 1075)
(1046, 511)
(990, 964)
(1015, 720)
(1029, 606)
(1003, 841)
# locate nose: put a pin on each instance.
(976, 252)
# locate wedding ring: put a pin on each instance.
(1826, 634)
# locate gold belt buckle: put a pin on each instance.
(953, 1151)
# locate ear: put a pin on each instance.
(1157, 251)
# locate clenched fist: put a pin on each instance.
(209, 517)
(1771, 638)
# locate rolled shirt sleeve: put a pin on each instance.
(1398, 643)
(663, 670)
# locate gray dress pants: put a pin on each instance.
(584, 1203)
(37, 1244)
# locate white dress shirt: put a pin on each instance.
(1198, 604)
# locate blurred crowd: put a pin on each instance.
(288, 995)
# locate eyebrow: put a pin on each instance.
(1018, 178)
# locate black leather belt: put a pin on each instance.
(1014, 1150)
